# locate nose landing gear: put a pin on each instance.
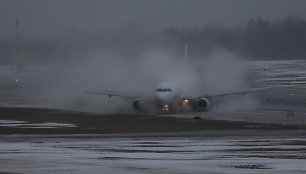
(165, 108)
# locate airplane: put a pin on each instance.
(171, 97)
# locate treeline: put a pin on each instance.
(259, 39)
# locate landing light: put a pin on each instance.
(165, 108)
(185, 102)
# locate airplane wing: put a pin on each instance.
(111, 93)
(236, 92)
(6, 94)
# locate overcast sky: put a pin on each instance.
(54, 18)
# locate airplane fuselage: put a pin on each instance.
(168, 98)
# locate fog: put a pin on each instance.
(100, 70)
(132, 46)
(59, 18)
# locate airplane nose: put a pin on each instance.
(163, 98)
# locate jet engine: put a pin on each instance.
(136, 105)
(202, 104)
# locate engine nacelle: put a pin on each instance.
(202, 104)
(136, 105)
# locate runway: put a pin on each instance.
(269, 138)
(208, 152)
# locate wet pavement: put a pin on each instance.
(198, 153)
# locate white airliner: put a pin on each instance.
(170, 97)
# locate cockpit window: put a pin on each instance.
(164, 90)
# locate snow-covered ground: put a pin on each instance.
(25, 124)
(153, 155)
(285, 73)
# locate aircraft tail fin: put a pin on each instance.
(186, 56)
